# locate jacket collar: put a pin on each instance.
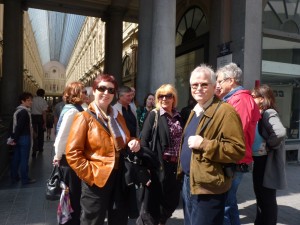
(210, 110)
(226, 97)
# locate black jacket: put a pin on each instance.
(162, 140)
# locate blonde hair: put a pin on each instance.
(166, 89)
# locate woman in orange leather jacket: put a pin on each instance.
(95, 142)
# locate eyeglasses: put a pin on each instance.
(167, 96)
(84, 92)
(254, 96)
(222, 81)
(104, 89)
(202, 85)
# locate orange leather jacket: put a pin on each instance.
(90, 149)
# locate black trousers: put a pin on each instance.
(96, 202)
(266, 204)
(74, 183)
(163, 197)
(37, 124)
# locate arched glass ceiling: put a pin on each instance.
(55, 33)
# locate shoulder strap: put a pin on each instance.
(154, 130)
(207, 122)
(260, 125)
(155, 122)
(101, 122)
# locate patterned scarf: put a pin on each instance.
(115, 130)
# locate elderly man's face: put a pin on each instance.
(125, 98)
(224, 85)
(202, 88)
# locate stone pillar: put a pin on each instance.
(144, 50)
(246, 36)
(220, 22)
(12, 79)
(113, 43)
(163, 43)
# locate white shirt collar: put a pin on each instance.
(200, 109)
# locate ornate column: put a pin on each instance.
(113, 43)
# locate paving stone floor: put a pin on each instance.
(27, 205)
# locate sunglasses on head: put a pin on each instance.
(104, 88)
(167, 96)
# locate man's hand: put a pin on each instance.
(195, 141)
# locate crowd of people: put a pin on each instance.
(125, 161)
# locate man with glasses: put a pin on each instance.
(212, 138)
(229, 89)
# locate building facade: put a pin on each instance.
(167, 39)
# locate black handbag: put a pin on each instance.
(135, 172)
(53, 190)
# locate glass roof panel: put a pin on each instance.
(55, 33)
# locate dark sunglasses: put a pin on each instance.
(167, 96)
(104, 89)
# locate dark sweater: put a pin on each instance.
(23, 125)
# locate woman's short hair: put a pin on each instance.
(163, 90)
(267, 94)
(73, 93)
(105, 78)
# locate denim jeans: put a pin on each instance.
(204, 209)
(20, 159)
(232, 216)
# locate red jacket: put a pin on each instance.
(249, 113)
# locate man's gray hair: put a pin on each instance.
(233, 71)
(123, 89)
(207, 70)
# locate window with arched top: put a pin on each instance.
(283, 15)
(127, 66)
(191, 25)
